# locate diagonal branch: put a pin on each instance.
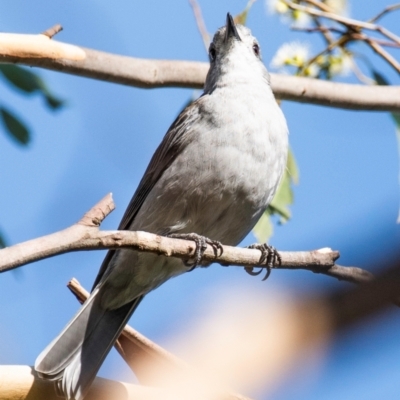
(201, 25)
(146, 359)
(40, 51)
(85, 235)
(384, 54)
(385, 11)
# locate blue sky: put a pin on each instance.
(347, 199)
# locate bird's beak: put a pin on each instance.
(231, 30)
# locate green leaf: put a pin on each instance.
(15, 127)
(264, 228)
(279, 205)
(379, 78)
(282, 199)
(53, 102)
(242, 17)
(29, 82)
(20, 78)
(292, 168)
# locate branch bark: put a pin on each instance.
(41, 51)
(146, 359)
(18, 382)
(85, 235)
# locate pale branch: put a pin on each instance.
(19, 382)
(319, 4)
(85, 235)
(41, 51)
(384, 54)
(146, 359)
(354, 35)
(201, 25)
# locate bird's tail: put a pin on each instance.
(76, 354)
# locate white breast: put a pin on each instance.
(222, 182)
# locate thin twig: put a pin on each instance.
(359, 74)
(348, 22)
(381, 42)
(353, 35)
(52, 31)
(339, 42)
(201, 26)
(384, 54)
(319, 28)
(384, 12)
(324, 30)
(388, 34)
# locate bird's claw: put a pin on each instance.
(269, 257)
(201, 246)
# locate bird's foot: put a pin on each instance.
(201, 246)
(269, 256)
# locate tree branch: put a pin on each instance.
(201, 26)
(348, 22)
(147, 360)
(385, 11)
(40, 51)
(85, 235)
(19, 382)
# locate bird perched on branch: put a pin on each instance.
(212, 176)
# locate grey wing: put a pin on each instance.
(172, 144)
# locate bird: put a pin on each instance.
(210, 180)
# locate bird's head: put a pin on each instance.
(235, 55)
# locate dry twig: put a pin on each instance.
(53, 31)
(385, 11)
(352, 33)
(201, 26)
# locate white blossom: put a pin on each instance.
(312, 70)
(341, 65)
(298, 18)
(293, 53)
(276, 6)
(301, 19)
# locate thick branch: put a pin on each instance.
(19, 382)
(40, 51)
(85, 235)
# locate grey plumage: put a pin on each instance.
(214, 174)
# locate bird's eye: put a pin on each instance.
(212, 52)
(256, 49)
